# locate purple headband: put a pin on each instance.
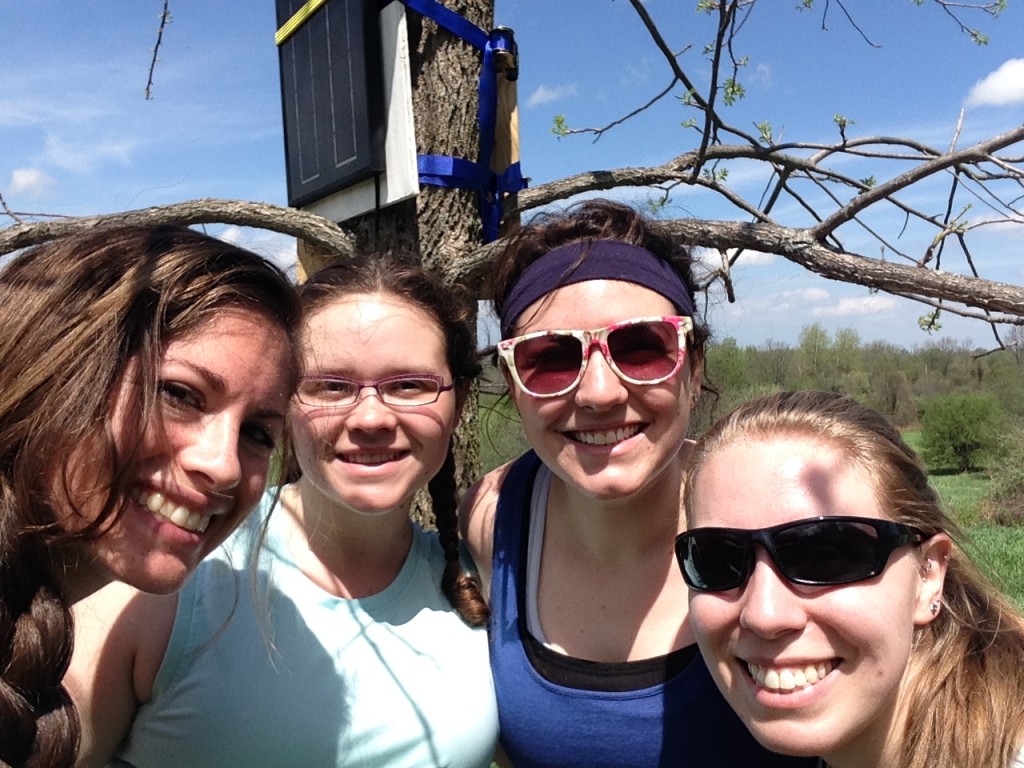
(604, 260)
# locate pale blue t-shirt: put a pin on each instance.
(392, 680)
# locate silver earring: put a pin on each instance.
(935, 608)
(926, 568)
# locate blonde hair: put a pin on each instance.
(963, 699)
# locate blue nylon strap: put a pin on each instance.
(511, 179)
(456, 172)
(450, 20)
(459, 173)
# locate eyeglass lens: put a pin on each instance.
(818, 552)
(400, 390)
(640, 352)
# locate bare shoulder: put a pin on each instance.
(121, 635)
(476, 519)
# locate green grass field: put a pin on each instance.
(998, 550)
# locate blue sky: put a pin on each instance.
(77, 136)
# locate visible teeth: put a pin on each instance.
(158, 504)
(371, 458)
(789, 678)
(605, 438)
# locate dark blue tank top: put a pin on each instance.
(682, 721)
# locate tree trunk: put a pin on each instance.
(441, 225)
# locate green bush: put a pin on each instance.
(959, 430)
(1004, 502)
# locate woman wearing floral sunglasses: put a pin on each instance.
(594, 663)
(837, 613)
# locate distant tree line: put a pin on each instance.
(967, 403)
(896, 381)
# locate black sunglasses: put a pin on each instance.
(820, 551)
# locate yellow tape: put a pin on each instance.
(299, 18)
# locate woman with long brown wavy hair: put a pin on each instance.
(144, 378)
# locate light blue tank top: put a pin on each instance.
(395, 679)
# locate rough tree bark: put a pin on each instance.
(441, 225)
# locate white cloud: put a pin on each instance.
(857, 306)
(762, 74)
(635, 75)
(808, 294)
(751, 258)
(546, 94)
(38, 109)
(30, 182)
(1004, 86)
(273, 246)
(85, 155)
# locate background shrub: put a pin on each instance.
(959, 430)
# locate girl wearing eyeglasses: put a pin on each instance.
(365, 645)
(593, 660)
(828, 594)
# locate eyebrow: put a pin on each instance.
(220, 385)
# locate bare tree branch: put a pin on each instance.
(165, 18)
(7, 209)
(315, 229)
(800, 248)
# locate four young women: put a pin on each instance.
(850, 625)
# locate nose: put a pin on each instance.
(769, 606)
(212, 452)
(369, 412)
(600, 386)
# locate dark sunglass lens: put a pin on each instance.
(645, 351)
(713, 560)
(548, 364)
(827, 551)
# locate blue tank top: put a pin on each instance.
(682, 721)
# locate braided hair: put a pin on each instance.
(75, 313)
(399, 276)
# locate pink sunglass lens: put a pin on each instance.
(548, 364)
(645, 351)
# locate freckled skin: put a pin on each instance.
(221, 411)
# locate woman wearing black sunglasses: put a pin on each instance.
(594, 663)
(828, 594)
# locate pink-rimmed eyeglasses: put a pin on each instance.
(403, 391)
(646, 350)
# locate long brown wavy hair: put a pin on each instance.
(75, 313)
(963, 694)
